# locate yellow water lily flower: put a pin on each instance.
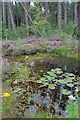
(6, 94)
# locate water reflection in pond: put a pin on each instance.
(43, 65)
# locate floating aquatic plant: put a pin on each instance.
(65, 92)
(70, 85)
(58, 77)
(51, 86)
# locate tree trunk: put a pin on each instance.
(65, 13)
(4, 13)
(75, 13)
(22, 16)
(1, 21)
(79, 16)
(78, 9)
(46, 9)
(8, 16)
(9, 22)
(26, 5)
(51, 12)
(16, 15)
(11, 16)
(59, 16)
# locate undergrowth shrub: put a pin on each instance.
(42, 27)
(69, 28)
(62, 50)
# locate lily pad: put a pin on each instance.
(50, 73)
(44, 82)
(62, 81)
(43, 86)
(58, 69)
(78, 87)
(49, 77)
(44, 75)
(43, 79)
(70, 75)
(65, 92)
(38, 81)
(70, 84)
(51, 86)
(76, 83)
(54, 80)
(69, 79)
(53, 70)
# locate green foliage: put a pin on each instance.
(21, 31)
(41, 25)
(69, 50)
(65, 36)
(0, 28)
(39, 20)
(19, 92)
(78, 35)
(69, 28)
(55, 77)
(18, 73)
(8, 103)
(47, 27)
(43, 114)
(62, 50)
(66, 92)
(10, 34)
(72, 109)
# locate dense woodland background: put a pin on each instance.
(23, 19)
